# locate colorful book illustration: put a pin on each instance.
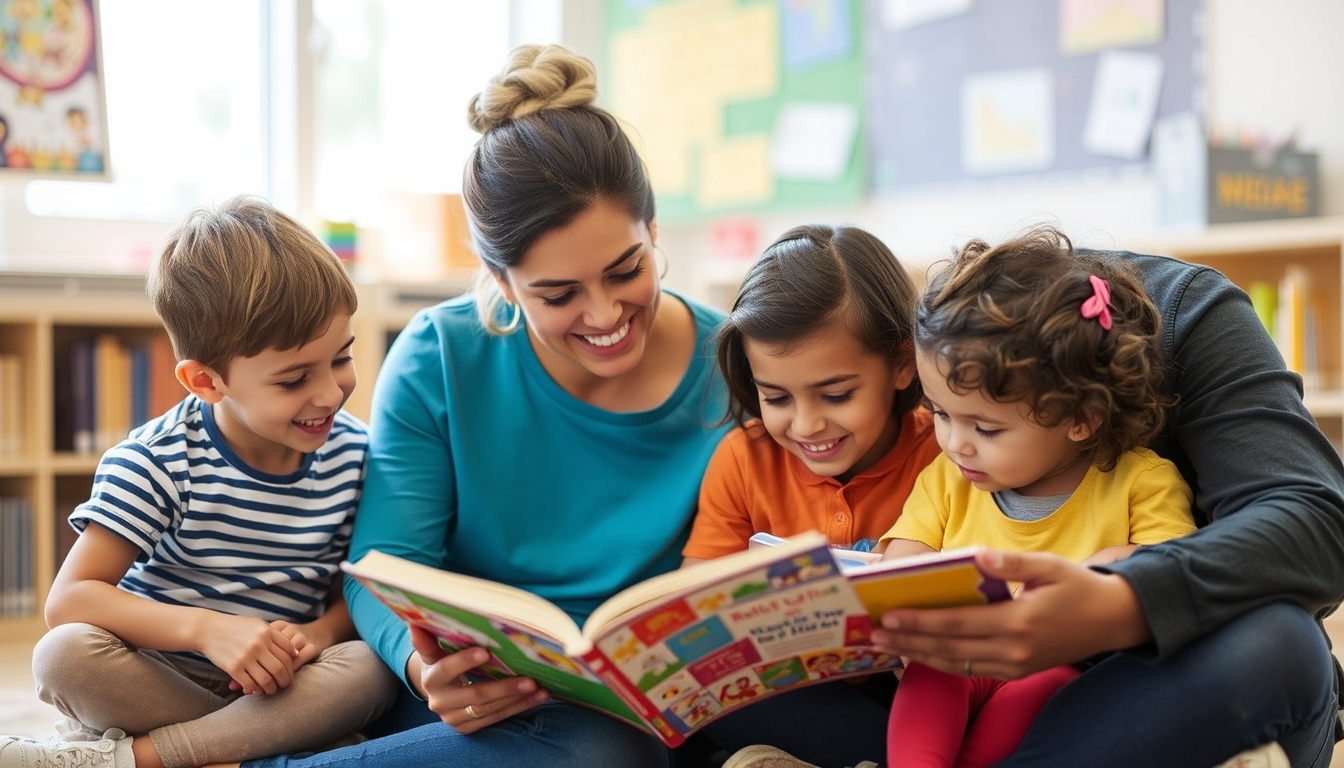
(672, 653)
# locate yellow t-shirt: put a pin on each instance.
(1143, 500)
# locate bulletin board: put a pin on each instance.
(740, 106)
(52, 104)
(966, 90)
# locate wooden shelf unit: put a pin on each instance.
(1253, 252)
(38, 311)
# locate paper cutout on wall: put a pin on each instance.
(815, 32)
(735, 171)
(1124, 103)
(673, 76)
(814, 141)
(1091, 25)
(1008, 121)
(903, 14)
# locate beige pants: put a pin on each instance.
(186, 707)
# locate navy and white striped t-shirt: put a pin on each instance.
(215, 533)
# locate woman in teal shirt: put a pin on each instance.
(549, 432)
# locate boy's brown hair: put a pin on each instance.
(241, 278)
(1006, 320)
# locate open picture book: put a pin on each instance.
(674, 652)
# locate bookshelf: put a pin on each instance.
(41, 317)
(1264, 252)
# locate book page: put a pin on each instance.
(788, 621)
(517, 648)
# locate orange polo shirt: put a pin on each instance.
(754, 485)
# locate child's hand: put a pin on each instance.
(307, 648)
(305, 642)
(1110, 555)
(257, 656)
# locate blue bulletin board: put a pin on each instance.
(966, 90)
(740, 106)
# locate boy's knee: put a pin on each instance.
(361, 664)
(62, 656)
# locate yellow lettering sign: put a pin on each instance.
(1256, 192)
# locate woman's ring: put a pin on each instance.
(966, 667)
(472, 712)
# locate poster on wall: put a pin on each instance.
(52, 104)
(964, 92)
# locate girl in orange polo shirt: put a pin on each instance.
(818, 357)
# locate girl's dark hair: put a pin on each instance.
(811, 277)
(547, 153)
(1006, 320)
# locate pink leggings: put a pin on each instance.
(949, 721)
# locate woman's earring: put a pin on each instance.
(517, 315)
(662, 268)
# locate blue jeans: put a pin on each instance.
(552, 734)
(1265, 676)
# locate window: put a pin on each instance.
(186, 111)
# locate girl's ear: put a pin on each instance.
(904, 372)
(1083, 427)
(200, 380)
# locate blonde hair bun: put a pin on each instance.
(536, 77)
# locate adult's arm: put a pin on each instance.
(407, 502)
(1270, 482)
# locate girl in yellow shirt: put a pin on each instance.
(1041, 367)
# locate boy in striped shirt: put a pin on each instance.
(200, 610)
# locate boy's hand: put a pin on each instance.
(307, 643)
(259, 657)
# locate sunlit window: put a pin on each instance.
(186, 111)
(393, 80)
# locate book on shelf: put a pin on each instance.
(17, 585)
(677, 651)
(108, 384)
(11, 405)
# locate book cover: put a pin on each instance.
(675, 652)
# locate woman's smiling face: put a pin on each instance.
(589, 292)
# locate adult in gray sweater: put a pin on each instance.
(1203, 646)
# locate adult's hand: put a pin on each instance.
(468, 708)
(1064, 613)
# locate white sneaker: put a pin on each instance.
(761, 756)
(1269, 755)
(111, 751)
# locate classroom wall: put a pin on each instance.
(1274, 65)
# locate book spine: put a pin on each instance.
(601, 666)
(82, 395)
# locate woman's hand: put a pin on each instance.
(1065, 613)
(437, 675)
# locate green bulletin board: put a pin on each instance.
(740, 106)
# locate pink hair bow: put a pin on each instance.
(1097, 305)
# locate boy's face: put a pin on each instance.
(997, 445)
(828, 401)
(280, 404)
